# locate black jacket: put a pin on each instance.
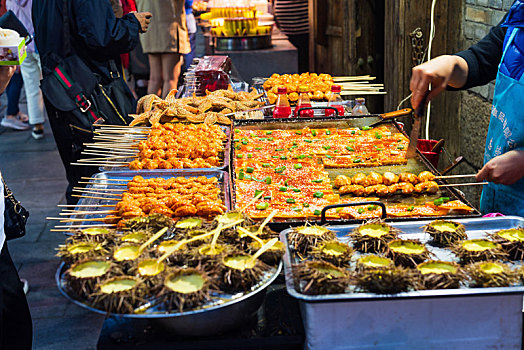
(96, 35)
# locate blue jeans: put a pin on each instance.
(188, 58)
(13, 94)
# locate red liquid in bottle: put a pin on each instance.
(308, 113)
(282, 112)
(330, 112)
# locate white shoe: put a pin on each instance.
(38, 134)
(14, 124)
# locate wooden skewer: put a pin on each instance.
(97, 192)
(99, 189)
(121, 131)
(84, 205)
(107, 199)
(86, 212)
(102, 151)
(84, 226)
(84, 220)
(352, 93)
(89, 160)
(100, 183)
(104, 179)
(465, 184)
(112, 146)
(454, 176)
(99, 164)
(107, 157)
(120, 126)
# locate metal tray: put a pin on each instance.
(418, 164)
(223, 183)
(224, 166)
(475, 228)
(224, 312)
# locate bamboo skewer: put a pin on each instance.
(97, 192)
(104, 198)
(99, 164)
(86, 212)
(465, 184)
(84, 205)
(120, 126)
(101, 178)
(84, 220)
(99, 189)
(100, 183)
(84, 226)
(109, 154)
(454, 176)
(91, 160)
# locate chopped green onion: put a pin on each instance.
(279, 149)
(445, 199)
(269, 132)
(267, 180)
(308, 141)
(292, 148)
(306, 205)
(270, 139)
(317, 212)
(326, 147)
(438, 201)
(282, 189)
(249, 169)
(309, 157)
(285, 182)
(349, 148)
(317, 181)
(236, 140)
(245, 142)
(257, 192)
(378, 136)
(372, 207)
(275, 157)
(266, 165)
(297, 166)
(237, 147)
(352, 132)
(314, 132)
(298, 132)
(360, 210)
(328, 132)
(262, 139)
(249, 155)
(328, 156)
(296, 189)
(290, 200)
(296, 209)
(239, 156)
(237, 131)
(366, 128)
(258, 148)
(283, 157)
(262, 206)
(318, 194)
(351, 140)
(241, 176)
(302, 156)
(357, 160)
(410, 208)
(267, 197)
(294, 143)
(400, 147)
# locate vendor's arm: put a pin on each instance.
(472, 67)
(102, 32)
(505, 169)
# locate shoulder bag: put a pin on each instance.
(15, 215)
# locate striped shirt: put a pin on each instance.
(292, 16)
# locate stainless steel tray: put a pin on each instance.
(224, 166)
(222, 313)
(223, 183)
(475, 228)
(418, 164)
(242, 43)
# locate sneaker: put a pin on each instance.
(25, 285)
(38, 134)
(14, 124)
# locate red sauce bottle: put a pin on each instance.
(304, 101)
(335, 101)
(282, 108)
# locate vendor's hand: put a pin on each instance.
(505, 169)
(439, 72)
(6, 72)
(144, 18)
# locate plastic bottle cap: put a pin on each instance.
(282, 90)
(336, 88)
(303, 88)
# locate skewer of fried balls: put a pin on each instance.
(389, 183)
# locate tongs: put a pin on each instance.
(415, 130)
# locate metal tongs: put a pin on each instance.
(415, 130)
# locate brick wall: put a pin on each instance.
(479, 17)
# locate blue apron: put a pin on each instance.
(505, 133)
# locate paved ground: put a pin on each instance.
(34, 172)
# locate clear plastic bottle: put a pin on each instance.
(282, 108)
(360, 107)
(304, 101)
(335, 101)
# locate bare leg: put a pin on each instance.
(155, 74)
(171, 65)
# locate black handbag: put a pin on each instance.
(15, 215)
(71, 86)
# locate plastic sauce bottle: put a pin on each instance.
(360, 107)
(335, 101)
(282, 108)
(304, 101)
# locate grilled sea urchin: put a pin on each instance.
(84, 275)
(370, 262)
(373, 236)
(440, 275)
(185, 289)
(407, 252)
(333, 251)
(74, 250)
(474, 250)
(320, 277)
(491, 274)
(122, 294)
(512, 241)
(388, 280)
(445, 233)
(303, 238)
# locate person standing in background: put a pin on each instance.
(292, 17)
(192, 30)
(16, 329)
(165, 42)
(30, 69)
